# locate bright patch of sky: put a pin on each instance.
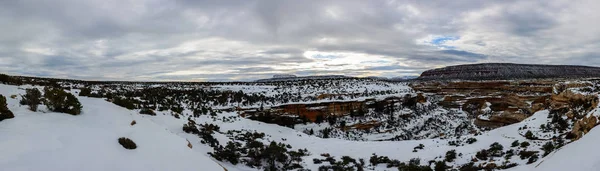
(338, 61)
(439, 41)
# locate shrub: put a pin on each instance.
(228, 153)
(471, 140)
(524, 144)
(508, 166)
(496, 149)
(127, 143)
(147, 111)
(509, 154)
(317, 161)
(85, 92)
(548, 148)
(529, 135)
(375, 160)
(515, 143)
(526, 154)
(482, 155)
(124, 102)
(450, 155)
(5, 113)
(533, 159)
(420, 147)
(57, 100)
(440, 166)
(32, 98)
(469, 167)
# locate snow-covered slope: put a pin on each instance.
(57, 141)
(581, 155)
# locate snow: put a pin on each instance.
(57, 141)
(581, 155)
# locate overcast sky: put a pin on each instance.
(201, 40)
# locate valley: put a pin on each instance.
(317, 123)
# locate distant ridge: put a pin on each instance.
(296, 78)
(497, 71)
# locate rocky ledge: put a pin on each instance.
(507, 71)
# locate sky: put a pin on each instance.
(242, 40)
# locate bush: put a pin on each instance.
(419, 147)
(533, 159)
(375, 160)
(440, 166)
(527, 154)
(57, 100)
(496, 149)
(529, 135)
(124, 102)
(509, 154)
(85, 92)
(548, 148)
(228, 153)
(515, 143)
(127, 143)
(482, 155)
(450, 155)
(508, 166)
(469, 167)
(471, 140)
(317, 161)
(32, 98)
(147, 111)
(524, 144)
(5, 113)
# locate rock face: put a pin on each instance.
(495, 104)
(500, 71)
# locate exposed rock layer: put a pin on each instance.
(501, 71)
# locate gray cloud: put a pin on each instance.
(251, 39)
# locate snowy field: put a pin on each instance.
(54, 141)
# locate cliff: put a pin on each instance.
(506, 71)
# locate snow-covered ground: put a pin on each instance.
(54, 141)
(57, 141)
(582, 155)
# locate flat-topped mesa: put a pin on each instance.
(505, 71)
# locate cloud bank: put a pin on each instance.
(202, 40)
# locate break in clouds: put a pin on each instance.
(200, 40)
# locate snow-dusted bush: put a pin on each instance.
(124, 102)
(85, 92)
(450, 155)
(32, 98)
(471, 140)
(5, 113)
(57, 100)
(147, 111)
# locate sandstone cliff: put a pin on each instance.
(504, 71)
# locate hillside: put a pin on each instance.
(56, 141)
(336, 124)
(508, 71)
